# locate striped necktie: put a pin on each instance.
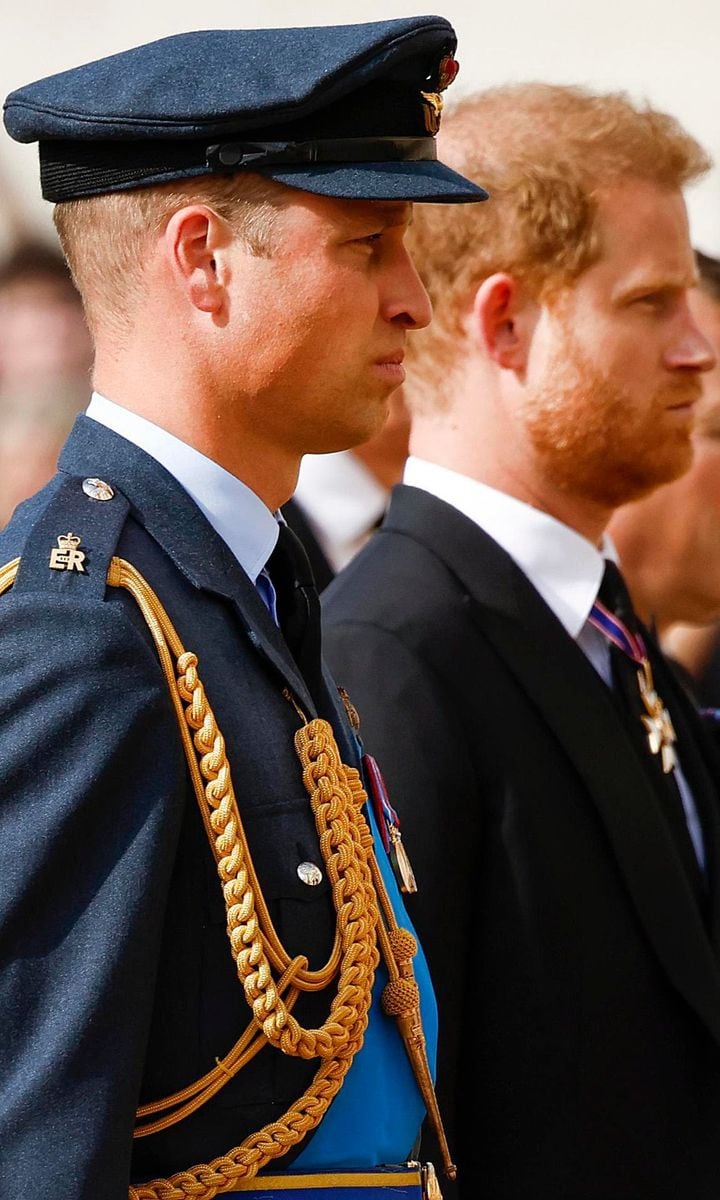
(646, 718)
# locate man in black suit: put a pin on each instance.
(556, 795)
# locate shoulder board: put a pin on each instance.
(73, 539)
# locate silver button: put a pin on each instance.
(97, 489)
(310, 874)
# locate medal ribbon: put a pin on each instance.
(387, 818)
(616, 632)
(656, 719)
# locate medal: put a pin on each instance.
(389, 825)
(658, 726)
(656, 718)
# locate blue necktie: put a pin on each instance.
(266, 588)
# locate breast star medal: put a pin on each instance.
(658, 726)
(656, 718)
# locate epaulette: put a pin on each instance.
(71, 543)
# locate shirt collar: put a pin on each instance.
(564, 567)
(235, 512)
(342, 499)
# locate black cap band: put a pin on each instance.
(70, 169)
(231, 155)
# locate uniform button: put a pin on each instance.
(97, 489)
(310, 874)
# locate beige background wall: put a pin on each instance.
(665, 51)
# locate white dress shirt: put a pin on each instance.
(235, 512)
(563, 566)
(343, 502)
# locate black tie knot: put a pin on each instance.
(615, 596)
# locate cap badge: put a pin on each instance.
(448, 68)
(447, 72)
(67, 556)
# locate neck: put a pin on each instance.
(219, 429)
(503, 465)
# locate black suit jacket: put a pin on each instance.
(578, 979)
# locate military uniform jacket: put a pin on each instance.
(117, 985)
(577, 975)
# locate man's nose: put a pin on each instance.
(693, 351)
(408, 303)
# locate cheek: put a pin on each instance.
(624, 361)
(613, 346)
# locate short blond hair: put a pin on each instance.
(542, 151)
(105, 238)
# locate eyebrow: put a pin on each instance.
(388, 215)
(678, 283)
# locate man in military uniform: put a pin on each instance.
(233, 205)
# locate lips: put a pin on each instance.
(683, 399)
(394, 359)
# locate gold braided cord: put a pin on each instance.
(345, 845)
(337, 798)
(166, 639)
(183, 1103)
(7, 574)
(207, 1180)
(336, 816)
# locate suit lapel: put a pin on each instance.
(172, 518)
(702, 770)
(577, 707)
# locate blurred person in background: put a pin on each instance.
(45, 359)
(556, 787)
(341, 498)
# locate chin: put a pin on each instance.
(623, 483)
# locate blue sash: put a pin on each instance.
(377, 1114)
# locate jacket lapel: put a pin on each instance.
(575, 704)
(172, 518)
(702, 771)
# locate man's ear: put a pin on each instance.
(193, 237)
(502, 320)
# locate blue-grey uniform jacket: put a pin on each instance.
(117, 985)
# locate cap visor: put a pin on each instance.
(419, 180)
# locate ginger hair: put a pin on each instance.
(105, 238)
(544, 152)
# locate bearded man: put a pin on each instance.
(557, 797)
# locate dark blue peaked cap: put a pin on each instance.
(345, 110)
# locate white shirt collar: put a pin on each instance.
(342, 500)
(235, 512)
(564, 567)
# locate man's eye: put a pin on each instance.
(371, 239)
(653, 300)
